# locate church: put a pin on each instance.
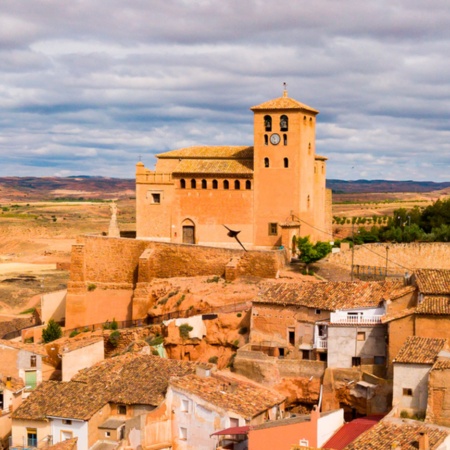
(268, 192)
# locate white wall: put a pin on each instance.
(53, 306)
(415, 377)
(328, 424)
(78, 428)
(82, 358)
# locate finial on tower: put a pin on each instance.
(285, 89)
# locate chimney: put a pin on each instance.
(8, 383)
(424, 441)
(396, 446)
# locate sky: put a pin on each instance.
(89, 87)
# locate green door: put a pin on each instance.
(30, 379)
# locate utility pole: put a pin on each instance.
(387, 259)
(353, 249)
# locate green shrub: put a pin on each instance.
(114, 324)
(214, 279)
(239, 314)
(180, 300)
(155, 340)
(243, 330)
(51, 332)
(213, 359)
(184, 330)
(74, 333)
(404, 414)
(91, 287)
(114, 338)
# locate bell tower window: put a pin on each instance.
(266, 139)
(226, 184)
(193, 183)
(284, 139)
(204, 184)
(215, 184)
(248, 184)
(286, 163)
(266, 162)
(284, 123)
(237, 184)
(268, 123)
(183, 183)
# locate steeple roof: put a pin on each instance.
(284, 102)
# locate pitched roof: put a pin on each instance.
(420, 350)
(16, 384)
(350, 431)
(329, 296)
(231, 394)
(32, 348)
(406, 434)
(221, 166)
(441, 364)
(209, 152)
(398, 315)
(434, 306)
(284, 102)
(66, 345)
(68, 444)
(433, 281)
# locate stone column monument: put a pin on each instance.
(113, 226)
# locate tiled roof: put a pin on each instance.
(68, 444)
(218, 166)
(329, 296)
(398, 315)
(420, 350)
(405, 435)
(433, 281)
(320, 158)
(128, 379)
(32, 348)
(210, 152)
(244, 398)
(441, 364)
(284, 102)
(350, 431)
(434, 305)
(66, 345)
(15, 383)
(401, 291)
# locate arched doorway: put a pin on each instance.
(188, 232)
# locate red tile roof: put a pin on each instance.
(433, 281)
(420, 350)
(439, 306)
(350, 431)
(284, 102)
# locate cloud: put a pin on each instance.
(87, 89)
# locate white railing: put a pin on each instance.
(355, 319)
(321, 343)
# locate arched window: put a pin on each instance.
(284, 123)
(215, 184)
(193, 183)
(226, 184)
(204, 184)
(183, 183)
(284, 139)
(266, 162)
(237, 184)
(268, 123)
(286, 162)
(248, 184)
(266, 139)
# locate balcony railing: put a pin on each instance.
(356, 319)
(321, 343)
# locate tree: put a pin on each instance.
(51, 332)
(310, 253)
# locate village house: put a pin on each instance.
(193, 192)
(438, 407)
(411, 368)
(10, 398)
(207, 403)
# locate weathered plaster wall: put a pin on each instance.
(415, 377)
(53, 306)
(81, 358)
(438, 408)
(398, 330)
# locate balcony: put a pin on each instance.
(321, 343)
(350, 319)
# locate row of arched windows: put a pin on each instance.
(285, 162)
(215, 184)
(284, 123)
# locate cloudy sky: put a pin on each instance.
(86, 86)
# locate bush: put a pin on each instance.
(91, 287)
(184, 330)
(243, 330)
(155, 340)
(114, 338)
(74, 333)
(213, 279)
(213, 359)
(51, 332)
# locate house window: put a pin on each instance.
(156, 198)
(32, 437)
(122, 410)
(30, 379)
(226, 184)
(204, 184)
(215, 184)
(33, 361)
(286, 163)
(356, 361)
(361, 336)
(66, 435)
(237, 184)
(183, 183)
(193, 184)
(183, 433)
(234, 422)
(284, 139)
(273, 229)
(248, 185)
(407, 392)
(306, 354)
(266, 162)
(268, 123)
(381, 360)
(292, 337)
(317, 311)
(284, 121)
(107, 434)
(184, 405)
(66, 422)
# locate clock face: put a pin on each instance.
(275, 139)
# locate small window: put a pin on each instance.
(32, 437)
(356, 361)
(361, 336)
(193, 184)
(266, 162)
(204, 184)
(248, 185)
(266, 139)
(156, 198)
(184, 405)
(304, 442)
(215, 184)
(268, 123)
(33, 361)
(66, 422)
(107, 434)
(273, 229)
(306, 355)
(286, 163)
(183, 183)
(237, 184)
(284, 139)
(226, 184)
(122, 410)
(317, 311)
(407, 392)
(234, 422)
(284, 121)
(183, 433)
(380, 360)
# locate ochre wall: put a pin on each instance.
(438, 408)
(398, 331)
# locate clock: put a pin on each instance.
(275, 139)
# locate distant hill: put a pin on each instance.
(371, 186)
(92, 187)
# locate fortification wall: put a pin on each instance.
(401, 257)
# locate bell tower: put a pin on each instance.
(286, 179)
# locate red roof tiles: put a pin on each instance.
(420, 350)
